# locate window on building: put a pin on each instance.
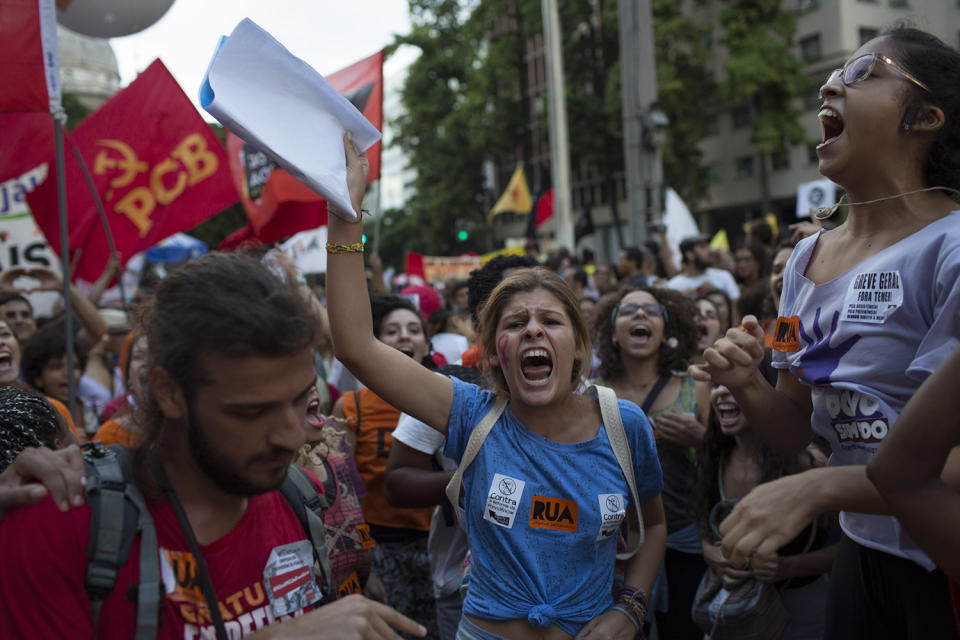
(711, 125)
(812, 156)
(708, 41)
(899, 4)
(804, 6)
(740, 116)
(714, 172)
(811, 49)
(866, 34)
(744, 167)
(780, 160)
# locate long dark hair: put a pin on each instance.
(714, 453)
(937, 66)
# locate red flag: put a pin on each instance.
(362, 84)
(156, 164)
(544, 207)
(28, 56)
(277, 204)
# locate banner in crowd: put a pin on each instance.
(30, 57)
(436, 268)
(308, 250)
(156, 165)
(815, 194)
(21, 243)
(515, 198)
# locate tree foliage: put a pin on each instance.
(763, 73)
(684, 85)
(466, 100)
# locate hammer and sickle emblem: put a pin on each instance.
(127, 163)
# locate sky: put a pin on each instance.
(327, 34)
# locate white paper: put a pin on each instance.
(815, 194)
(275, 101)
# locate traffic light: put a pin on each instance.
(462, 235)
(363, 238)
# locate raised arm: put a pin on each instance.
(908, 469)
(781, 415)
(393, 376)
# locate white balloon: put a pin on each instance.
(111, 18)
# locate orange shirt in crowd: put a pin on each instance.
(112, 432)
(373, 422)
(62, 409)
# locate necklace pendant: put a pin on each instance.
(824, 213)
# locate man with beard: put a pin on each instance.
(697, 275)
(230, 377)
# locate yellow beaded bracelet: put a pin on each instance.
(353, 247)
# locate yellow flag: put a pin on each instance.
(720, 241)
(516, 197)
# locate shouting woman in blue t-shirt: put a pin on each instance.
(545, 495)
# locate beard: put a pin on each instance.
(700, 263)
(225, 474)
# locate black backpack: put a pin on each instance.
(119, 513)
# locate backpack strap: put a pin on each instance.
(118, 513)
(477, 436)
(309, 505)
(613, 423)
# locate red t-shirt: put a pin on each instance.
(44, 561)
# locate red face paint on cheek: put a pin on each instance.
(502, 351)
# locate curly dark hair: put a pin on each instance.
(27, 420)
(937, 66)
(713, 453)
(680, 323)
(46, 344)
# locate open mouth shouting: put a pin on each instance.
(831, 124)
(536, 365)
(728, 413)
(641, 332)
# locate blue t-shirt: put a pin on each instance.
(542, 517)
(864, 341)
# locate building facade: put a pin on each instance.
(827, 32)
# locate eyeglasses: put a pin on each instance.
(860, 68)
(649, 308)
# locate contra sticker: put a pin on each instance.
(289, 578)
(503, 500)
(873, 296)
(613, 510)
(785, 336)
(553, 513)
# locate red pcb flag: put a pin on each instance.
(29, 63)
(158, 167)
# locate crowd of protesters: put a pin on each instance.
(748, 426)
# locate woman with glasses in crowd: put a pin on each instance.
(645, 340)
(868, 310)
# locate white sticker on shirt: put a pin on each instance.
(503, 500)
(873, 296)
(613, 510)
(289, 579)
